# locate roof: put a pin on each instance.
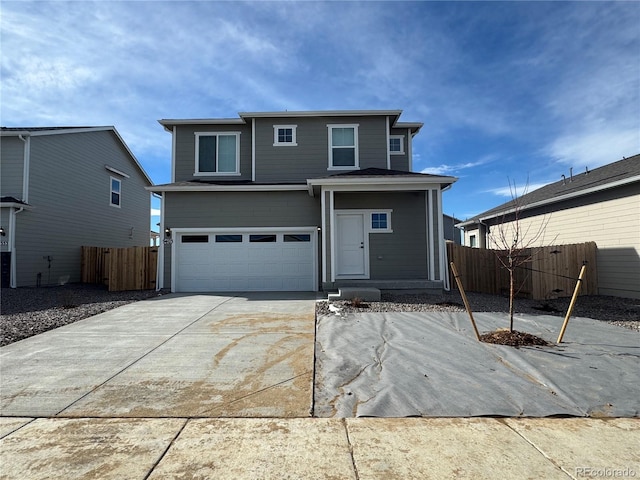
(244, 116)
(44, 131)
(622, 172)
(381, 177)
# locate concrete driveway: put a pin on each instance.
(249, 355)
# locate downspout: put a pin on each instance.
(253, 149)
(442, 246)
(161, 247)
(388, 139)
(173, 153)
(410, 149)
(13, 283)
(25, 168)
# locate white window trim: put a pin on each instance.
(111, 192)
(401, 137)
(197, 172)
(330, 128)
(370, 228)
(294, 139)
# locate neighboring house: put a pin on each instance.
(452, 232)
(600, 205)
(62, 188)
(299, 201)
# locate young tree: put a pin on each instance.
(513, 241)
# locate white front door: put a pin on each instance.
(352, 249)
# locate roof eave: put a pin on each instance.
(549, 201)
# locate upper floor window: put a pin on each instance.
(116, 192)
(284, 135)
(396, 144)
(343, 146)
(217, 153)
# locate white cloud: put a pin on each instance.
(514, 191)
(155, 212)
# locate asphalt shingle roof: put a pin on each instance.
(598, 177)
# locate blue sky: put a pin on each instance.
(508, 91)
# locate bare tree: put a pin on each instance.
(513, 242)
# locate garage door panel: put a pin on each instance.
(229, 261)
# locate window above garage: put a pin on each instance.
(217, 153)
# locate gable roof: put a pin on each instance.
(614, 174)
(44, 131)
(245, 116)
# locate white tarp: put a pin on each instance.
(430, 364)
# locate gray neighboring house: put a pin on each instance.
(311, 200)
(600, 205)
(62, 188)
(452, 232)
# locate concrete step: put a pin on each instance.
(363, 293)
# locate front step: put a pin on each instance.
(367, 294)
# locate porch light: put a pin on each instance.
(167, 232)
(2, 232)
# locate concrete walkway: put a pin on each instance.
(220, 387)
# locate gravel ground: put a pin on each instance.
(30, 311)
(623, 312)
(26, 311)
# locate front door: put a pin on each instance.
(352, 249)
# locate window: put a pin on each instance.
(228, 238)
(343, 146)
(262, 238)
(396, 144)
(303, 237)
(116, 192)
(195, 239)
(472, 241)
(381, 222)
(217, 153)
(284, 135)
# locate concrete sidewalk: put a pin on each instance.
(142, 391)
(361, 448)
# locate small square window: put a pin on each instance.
(284, 135)
(396, 144)
(379, 221)
(116, 187)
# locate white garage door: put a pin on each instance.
(245, 261)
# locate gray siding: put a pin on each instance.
(237, 210)
(11, 166)
(69, 189)
(292, 164)
(310, 159)
(401, 162)
(186, 151)
(403, 253)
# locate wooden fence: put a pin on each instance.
(132, 268)
(551, 273)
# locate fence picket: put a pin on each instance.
(132, 268)
(481, 271)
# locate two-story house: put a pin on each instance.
(62, 188)
(287, 201)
